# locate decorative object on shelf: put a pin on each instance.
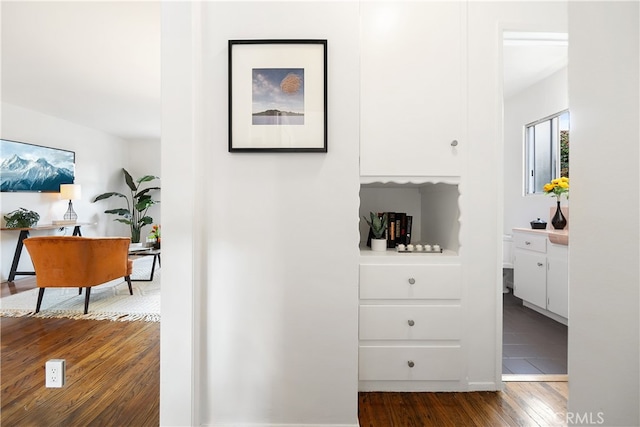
(557, 188)
(135, 214)
(33, 168)
(70, 192)
(279, 108)
(155, 235)
(21, 218)
(558, 221)
(538, 224)
(378, 226)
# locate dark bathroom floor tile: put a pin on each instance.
(532, 342)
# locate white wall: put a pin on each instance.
(99, 158)
(145, 159)
(270, 257)
(604, 89)
(550, 96)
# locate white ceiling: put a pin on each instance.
(530, 57)
(98, 63)
(92, 63)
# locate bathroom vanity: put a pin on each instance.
(541, 271)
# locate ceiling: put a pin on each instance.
(529, 57)
(98, 63)
(92, 63)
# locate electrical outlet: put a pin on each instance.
(55, 373)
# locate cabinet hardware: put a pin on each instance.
(454, 143)
(540, 264)
(411, 322)
(411, 364)
(412, 281)
(527, 243)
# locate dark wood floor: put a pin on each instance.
(113, 379)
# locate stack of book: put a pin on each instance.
(398, 229)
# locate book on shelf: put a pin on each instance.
(391, 228)
(409, 224)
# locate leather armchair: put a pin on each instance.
(82, 262)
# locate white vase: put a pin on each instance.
(379, 245)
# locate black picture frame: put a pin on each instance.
(278, 96)
(26, 167)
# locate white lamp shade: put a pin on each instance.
(70, 191)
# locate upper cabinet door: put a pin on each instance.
(413, 88)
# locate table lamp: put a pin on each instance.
(70, 192)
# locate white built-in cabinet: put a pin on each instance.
(540, 274)
(413, 88)
(412, 144)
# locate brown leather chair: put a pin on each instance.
(82, 262)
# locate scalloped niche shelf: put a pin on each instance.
(434, 205)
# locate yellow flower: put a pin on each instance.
(564, 184)
(564, 179)
(548, 187)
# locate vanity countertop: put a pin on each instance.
(559, 237)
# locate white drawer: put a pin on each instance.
(437, 281)
(530, 242)
(410, 322)
(393, 363)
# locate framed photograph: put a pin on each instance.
(278, 96)
(33, 168)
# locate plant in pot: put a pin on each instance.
(378, 226)
(135, 214)
(21, 218)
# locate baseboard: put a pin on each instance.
(278, 425)
(484, 386)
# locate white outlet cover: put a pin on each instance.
(55, 372)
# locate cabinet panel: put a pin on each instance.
(410, 322)
(394, 363)
(412, 88)
(558, 283)
(530, 277)
(530, 242)
(410, 281)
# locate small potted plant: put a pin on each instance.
(21, 218)
(155, 235)
(378, 224)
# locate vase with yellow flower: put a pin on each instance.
(556, 188)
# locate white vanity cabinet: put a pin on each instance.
(410, 323)
(540, 274)
(412, 88)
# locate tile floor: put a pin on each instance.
(532, 343)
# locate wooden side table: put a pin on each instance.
(24, 233)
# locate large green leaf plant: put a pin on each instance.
(135, 214)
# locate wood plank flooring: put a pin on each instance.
(113, 380)
(113, 372)
(519, 404)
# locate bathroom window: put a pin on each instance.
(546, 151)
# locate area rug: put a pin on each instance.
(109, 301)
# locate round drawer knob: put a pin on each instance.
(412, 281)
(540, 264)
(454, 143)
(411, 322)
(411, 364)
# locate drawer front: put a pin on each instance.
(409, 363)
(438, 281)
(410, 322)
(530, 242)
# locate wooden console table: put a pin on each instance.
(24, 233)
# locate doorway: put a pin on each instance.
(534, 66)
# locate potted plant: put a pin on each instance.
(378, 226)
(21, 218)
(135, 214)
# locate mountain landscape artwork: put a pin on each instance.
(278, 96)
(28, 167)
